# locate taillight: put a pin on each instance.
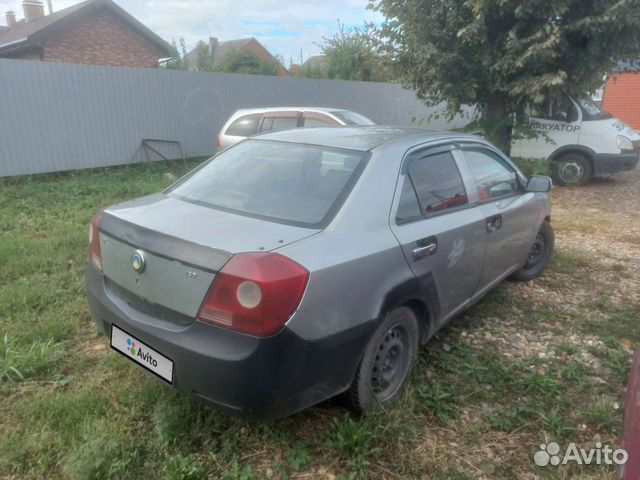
(255, 293)
(93, 252)
(218, 142)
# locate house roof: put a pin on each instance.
(225, 49)
(316, 61)
(222, 51)
(30, 34)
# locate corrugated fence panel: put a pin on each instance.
(57, 117)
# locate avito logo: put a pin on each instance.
(136, 351)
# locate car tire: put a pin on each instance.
(571, 169)
(539, 254)
(386, 363)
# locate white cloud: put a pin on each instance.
(285, 27)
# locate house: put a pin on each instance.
(223, 50)
(94, 32)
(621, 96)
(316, 66)
(317, 61)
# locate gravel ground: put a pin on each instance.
(598, 231)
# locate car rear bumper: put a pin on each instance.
(616, 162)
(248, 376)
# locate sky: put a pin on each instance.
(284, 27)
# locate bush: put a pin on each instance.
(533, 166)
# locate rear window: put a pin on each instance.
(279, 123)
(352, 118)
(245, 126)
(290, 183)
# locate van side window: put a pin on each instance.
(492, 175)
(438, 183)
(559, 108)
(245, 126)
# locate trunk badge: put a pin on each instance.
(138, 261)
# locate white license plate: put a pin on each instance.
(135, 350)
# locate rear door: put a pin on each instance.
(509, 211)
(441, 230)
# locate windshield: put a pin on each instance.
(352, 118)
(291, 183)
(591, 112)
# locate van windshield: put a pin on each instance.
(591, 112)
(290, 183)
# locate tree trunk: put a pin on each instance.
(497, 122)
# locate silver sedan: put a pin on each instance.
(303, 264)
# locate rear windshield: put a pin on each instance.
(245, 126)
(290, 183)
(352, 118)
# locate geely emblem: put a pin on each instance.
(137, 261)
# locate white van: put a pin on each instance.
(581, 140)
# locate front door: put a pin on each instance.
(442, 234)
(510, 213)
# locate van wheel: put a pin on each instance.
(539, 254)
(387, 362)
(571, 169)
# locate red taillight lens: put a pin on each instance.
(93, 252)
(255, 293)
(218, 142)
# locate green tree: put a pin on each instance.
(501, 55)
(244, 61)
(205, 55)
(353, 54)
(178, 51)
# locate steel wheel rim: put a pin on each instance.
(570, 171)
(536, 253)
(391, 363)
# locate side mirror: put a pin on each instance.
(538, 183)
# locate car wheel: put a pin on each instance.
(539, 254)
(386, 363)
(571, 169)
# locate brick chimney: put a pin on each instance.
(33, 9)
(11, 18)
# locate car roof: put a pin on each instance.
(358, 137)
(244, 111)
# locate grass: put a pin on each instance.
(481, 401)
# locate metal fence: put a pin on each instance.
(57, 117)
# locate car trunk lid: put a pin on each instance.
(182, 246)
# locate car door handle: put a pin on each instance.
(494, 223)
(425, 247)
